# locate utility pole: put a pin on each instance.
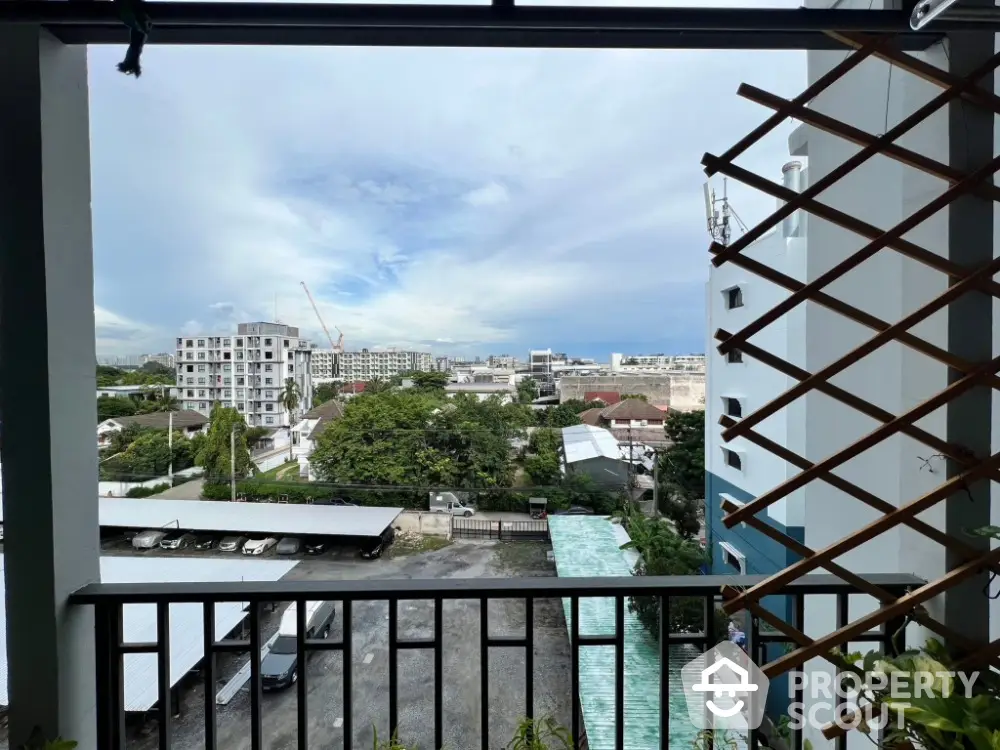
(232, 464)
(656, 484)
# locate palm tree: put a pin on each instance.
(290, 398)
(377, 385)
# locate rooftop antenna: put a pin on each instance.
(717, 214)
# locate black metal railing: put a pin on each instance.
(109, 600)
(474, 528)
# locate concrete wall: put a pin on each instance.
(421, 522)
(688, 388)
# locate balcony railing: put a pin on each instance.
(108, 601)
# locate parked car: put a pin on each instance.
(373, 547)
(205, 542)
(149, 539)
(574, 510)
(317, 547)
(289, 545)
(232, 543)
(279, 668)
(177, 540)
(258, 547)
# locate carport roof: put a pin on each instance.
(186, 620)
(252, 518)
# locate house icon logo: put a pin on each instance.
(724, 689)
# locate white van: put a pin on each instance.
(446, 502)
(280, 668)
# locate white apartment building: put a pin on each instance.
(247, 370)
(367, 365)
(324, 364)
(881, 192)
(657, 362)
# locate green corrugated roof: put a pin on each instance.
(587, 546)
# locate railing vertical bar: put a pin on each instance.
(755, 649)
(574, 647)
(163, 699)
(348, 670)
(438, 672)
(843, 613)
(709, 642)
(109, 684)
(256, 691)
(301, 664)
(484, 672)
(529, 658)
(393, 667)
(208, 673)
(664, 673)
(799, 602)
(619, 673)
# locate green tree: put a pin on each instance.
(430, 382)
(291, 396)
(682, 465)
(324, 392)
(214, 454)
(578, 405)
(155, 368)
(564, 415)
(109, 407)
(377, 385)
(148, 454)
(527, 391)
(543, 465)
(638, 396)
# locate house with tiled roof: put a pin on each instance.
(630, 420)
(307, 432)
(183, 420)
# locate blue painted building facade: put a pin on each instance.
(760, 556)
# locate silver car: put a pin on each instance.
(149, 539)
(232, 543)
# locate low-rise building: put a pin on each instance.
(506, 391)
(630, 421)
(308, 430)
(139, 392)
(189, 423)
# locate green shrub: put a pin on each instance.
(156, 489)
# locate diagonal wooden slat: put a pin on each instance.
(856, 259)
(861, 138)
(856, 160)
(902, 605)
(862, 535)
(872, 439)
(849, 311)
(858, 353)
(976, 95)
(879, 238)
(862, 52)
(960, 548)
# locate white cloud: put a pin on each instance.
(481, 197)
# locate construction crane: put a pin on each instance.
(338, 348)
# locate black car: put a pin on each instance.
(373, 547)
(574, 510)
(205, 542)
(317, 547)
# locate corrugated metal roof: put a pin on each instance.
(588, 546)
(583, 441)
(139, 620)
(253, 518)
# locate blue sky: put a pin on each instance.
(465, 201)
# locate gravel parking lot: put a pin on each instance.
(370, 699)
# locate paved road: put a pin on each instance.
(187, 491)
(370, 697)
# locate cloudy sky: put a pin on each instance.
(462, 201)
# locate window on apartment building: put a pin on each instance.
(287, 343)
(227, 355)
(269, 394)
(239, 355)
(202, 405)
(227, 342)
(227, 393)
(201, 368)
(227, 368)
(227, 381)
(268, 420)
(190, 381)
(291, 368)
(291, 355)
(732, 406)
(239, 392)
(268, 355)
(201, 394)
(267, 368)
(239, 368)
(268, 407)
(734, 298)
(733, 558)
(190, 368)
(190, 394)
(201, 342)
(733, 459)
(240, 381)
(267, 342)
(189, 355)
(239, 342)
(734, 357)
(268, 381)
(189, 343)
(201, 381)
(201, 355)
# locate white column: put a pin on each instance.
(47, 384)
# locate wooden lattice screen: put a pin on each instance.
(974, 468)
